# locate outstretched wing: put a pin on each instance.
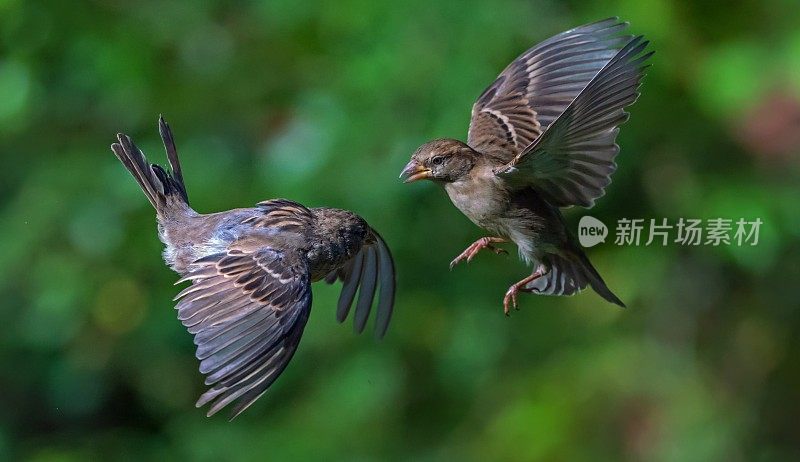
(536, 88)
(246, 308)
(372, 266)
(572, 161)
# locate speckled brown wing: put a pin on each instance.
(246, 308)
(371, 267)
(572, 162)
(538, 86)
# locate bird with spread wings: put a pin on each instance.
(251, 271)
(542, 136)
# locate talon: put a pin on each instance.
(511, 293)
(497, 250)
(483, 243)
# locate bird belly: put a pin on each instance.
(533, 234)
(482, 209)
(523, 219)
(522, 236)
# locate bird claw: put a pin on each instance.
(511, 295)
(457, 260)
(483, 243)
(467, 254)
(497, 250)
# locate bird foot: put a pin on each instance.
(476, 247)
(511, 294)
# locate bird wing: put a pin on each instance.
(371, 266)
(538, 86)
(572, 161)
(246, 308)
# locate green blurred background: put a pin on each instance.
(323, 102)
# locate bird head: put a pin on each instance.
(442, 160)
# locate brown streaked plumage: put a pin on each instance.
(251, 271)
(542, 136)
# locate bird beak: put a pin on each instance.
(414, 171)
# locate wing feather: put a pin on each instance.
(388, 283)
(372, 268)
(572, 161)
(539, 85)
(352, 277)
(366, 292)
(247, 310)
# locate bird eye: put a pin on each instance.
(438, 160)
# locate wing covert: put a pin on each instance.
(538, 86)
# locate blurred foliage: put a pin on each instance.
(323, 102)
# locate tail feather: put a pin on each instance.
(597, 282)
(172, 156)
(164, 189)
(569, 275)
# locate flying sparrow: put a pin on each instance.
(542, 136)
(251, 271)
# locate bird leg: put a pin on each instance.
(511, 293)
(477, 246)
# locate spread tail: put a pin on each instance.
(164, 189)
(569, 275)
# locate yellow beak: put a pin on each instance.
(414, 171)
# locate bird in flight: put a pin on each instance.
(251, 271)
(542, 137)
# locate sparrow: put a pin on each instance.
(542, 137)
(251, 271)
